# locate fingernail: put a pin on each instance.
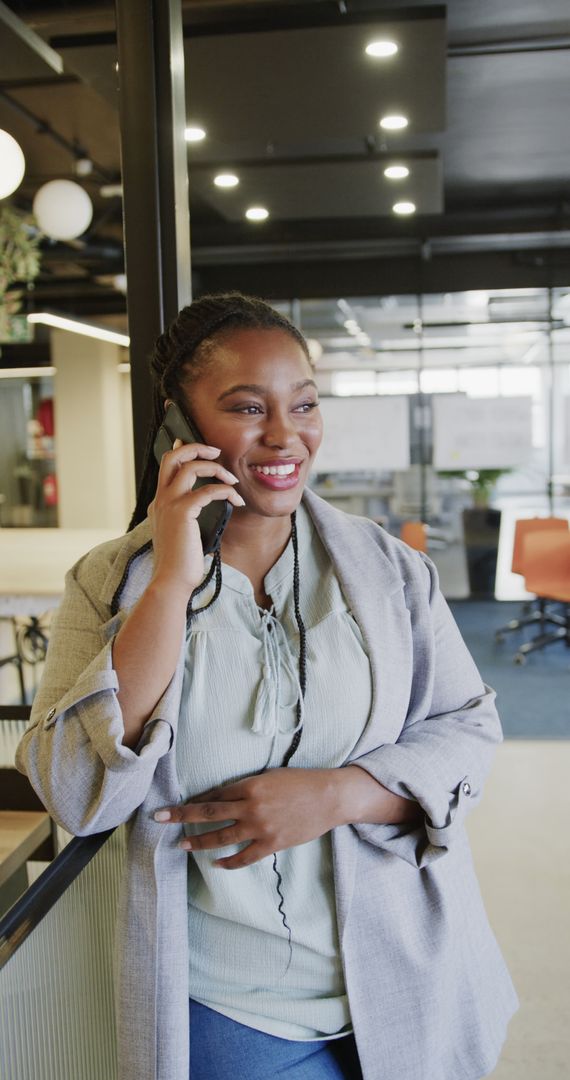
(177, 443)
(216, 448)
(185, 845)
(234, 478)
(162, 815)
(241, 501)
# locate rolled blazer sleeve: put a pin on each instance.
(72, 751)
(445, 749)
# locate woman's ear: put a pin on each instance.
(168, 402)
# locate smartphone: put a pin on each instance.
(214, 517)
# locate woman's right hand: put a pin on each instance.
(173, 513)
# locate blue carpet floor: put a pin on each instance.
(533, 700)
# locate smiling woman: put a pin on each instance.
(297, 707)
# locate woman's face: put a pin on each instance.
(258, 402)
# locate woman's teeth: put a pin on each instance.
(275, 470)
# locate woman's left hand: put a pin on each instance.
(280, 808)
(271, 811)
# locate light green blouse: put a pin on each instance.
(237, 718)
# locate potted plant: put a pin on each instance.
(481, 526)
(19, 262)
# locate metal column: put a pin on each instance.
(155, 183)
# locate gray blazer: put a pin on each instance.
(429, 993)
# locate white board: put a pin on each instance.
(481, 433)
(566, 445)
(364, 433)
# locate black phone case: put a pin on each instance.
(214, 517)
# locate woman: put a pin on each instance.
(299, 710)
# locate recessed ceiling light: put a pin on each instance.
(396, 172)
(382, 48)
(393, 123)
(404, 208)
(226, 180)
(257, 213)
(194, 133)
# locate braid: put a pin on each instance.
(294, 745)
(184, 349)
(302, 642)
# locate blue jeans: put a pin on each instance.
(222, 1049)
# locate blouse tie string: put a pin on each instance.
(277, 661)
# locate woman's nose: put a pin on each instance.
(279, 431)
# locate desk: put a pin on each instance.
(21, 833)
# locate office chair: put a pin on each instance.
(414, 534)
(547, 574)
(540, 614)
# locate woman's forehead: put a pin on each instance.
(248, 350)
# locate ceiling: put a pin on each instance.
(291, 104)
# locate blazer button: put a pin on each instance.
(466, 788)
(50, 714)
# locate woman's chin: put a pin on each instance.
(273, 503)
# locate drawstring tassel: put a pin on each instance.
(278, 661)
(265, 714)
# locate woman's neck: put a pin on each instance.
(253, 543)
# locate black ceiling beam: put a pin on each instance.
(399, 275)
(370, 153)
(546, 221)
(553, 43)
(39, 81)
(229, 19)
(34, 354)
(233, 19)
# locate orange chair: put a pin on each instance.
(414, 534)
(523, 528)
(546, 558)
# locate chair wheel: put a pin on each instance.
(499, 637)
(519, 658)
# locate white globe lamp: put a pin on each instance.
(12, 164)
(63, 209)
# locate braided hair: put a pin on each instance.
(184, 350)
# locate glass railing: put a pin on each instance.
(57, 955)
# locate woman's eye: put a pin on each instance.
(307, 406)
(249, 410)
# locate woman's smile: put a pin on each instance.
(277, 475)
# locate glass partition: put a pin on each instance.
(481, 346)
(28, 483)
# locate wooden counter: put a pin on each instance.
(21, 833)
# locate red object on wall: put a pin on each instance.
(44, 416)
(49, 485)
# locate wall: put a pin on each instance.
(93, 433)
